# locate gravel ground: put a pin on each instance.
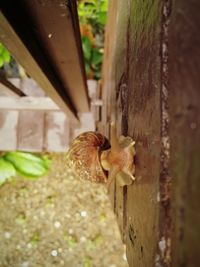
(58, 220)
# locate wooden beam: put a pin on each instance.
(37, 69)
(184, 112)
(10, 87)
(50, 31)
(57, 28)
(4, 91)
(27, 103)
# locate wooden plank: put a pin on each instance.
(30, 87)
(142, 120)
(30, 131)
(87, 123)
(184, 103)
(108, 82)
(11, 87)
(27, 102)
(56, 132)
(40, 71)
(4, 91)
(92, 89)
(8, 130)
(96, 101)
(109, 113)
(131, 76)
(161, 209)
(58, 34)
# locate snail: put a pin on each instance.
(94, 158)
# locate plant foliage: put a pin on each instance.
(25, 164)
(92, 16)
(7, 170)
(5, 56)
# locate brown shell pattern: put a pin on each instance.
(84, 156)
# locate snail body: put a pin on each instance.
(94, 158)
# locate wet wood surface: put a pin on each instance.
(184, 86)
(59, 35)
(146, 58)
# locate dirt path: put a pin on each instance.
(57, 221)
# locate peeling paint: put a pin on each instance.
(164, 244)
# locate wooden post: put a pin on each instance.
(151, 77)
(184, 111)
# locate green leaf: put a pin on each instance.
(102, 17)
(97, 75)
(87, 47)
(104, 5)
(46, 161)
(6, 56)
(26, 155)
(87, 68)
(6, 170)
(1, 48)
(1, 62)
(27, 165)
(96, 57)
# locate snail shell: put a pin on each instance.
(84, 156)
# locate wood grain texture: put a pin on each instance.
(10, 86)
(8, 130)
(151, 82)
(142, 121)
(30, 131)
(132, 85)
(54, 24)
(184, 85)
(30, 87)
(56, 132)
(27, 103)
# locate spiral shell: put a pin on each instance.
(84, 155)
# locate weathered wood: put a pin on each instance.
(40, 71)
(92, 89)
(10, 86)
(96, 101)
(4, 91)
(30, 131)
(8, 130)
(156, 100)
(27, 103)
(29, 87)
(58, 33)
(56, 132)
(184, 111)
(87, 123)
(132, 85)
(34, 131)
